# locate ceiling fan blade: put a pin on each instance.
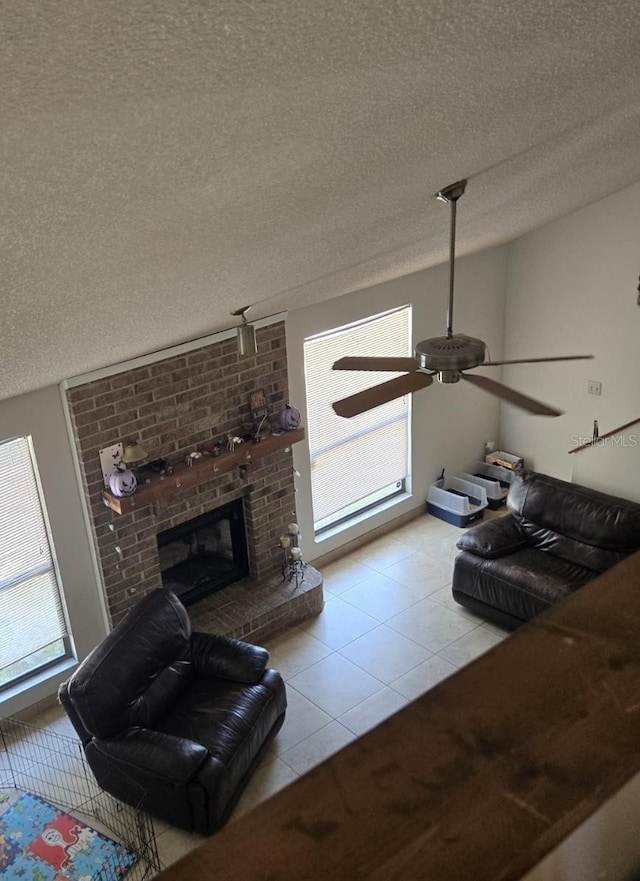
(511, 396)
(381, 394)
(392, 364)
(535, 360)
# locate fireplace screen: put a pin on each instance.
(205, 554)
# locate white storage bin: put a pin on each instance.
(494, 472)
(456, 501)
(496, 493)
(508, 460)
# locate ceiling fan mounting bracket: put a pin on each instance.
(241, 311)
(453, 192)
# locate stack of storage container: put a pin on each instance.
(463, 499)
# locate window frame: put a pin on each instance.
(8, 687)
(371, 503)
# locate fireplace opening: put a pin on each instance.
(204, 554)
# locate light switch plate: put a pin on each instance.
(594, 387)
(110, 458)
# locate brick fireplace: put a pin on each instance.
(173, 406)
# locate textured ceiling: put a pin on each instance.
(164, 163)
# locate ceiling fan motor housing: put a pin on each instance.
(448, 355)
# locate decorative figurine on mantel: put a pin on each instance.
(232, 442)
(123, 482)
(293, 565)
(133, 455)
(289, 418)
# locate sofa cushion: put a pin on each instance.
(578, 524)
(231, 719)
(523, 585)
(227, 658)
(493, 538)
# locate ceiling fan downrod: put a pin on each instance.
(451, 194)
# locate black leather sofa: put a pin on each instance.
(172, 720)
(556, 537)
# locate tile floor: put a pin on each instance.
(389, 631)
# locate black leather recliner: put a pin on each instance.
(556, 537)
(175, 719)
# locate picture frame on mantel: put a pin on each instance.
(259, 409)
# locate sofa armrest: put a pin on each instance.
(495, 538)
(172, 759)
(227, 658)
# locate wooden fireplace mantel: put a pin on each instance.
(206, 468)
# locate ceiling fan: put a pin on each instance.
(445, 358)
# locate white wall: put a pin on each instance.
(450, 423)
(572, 289)
(40, 414)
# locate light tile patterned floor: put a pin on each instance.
(390, 631)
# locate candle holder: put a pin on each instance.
(293, 565)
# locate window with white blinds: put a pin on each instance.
(355, 463)
(33, 630)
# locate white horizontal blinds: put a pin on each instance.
(31, 614)
(353, 458)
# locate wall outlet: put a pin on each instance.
(593, 387)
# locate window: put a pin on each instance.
(33, 630)
(355, 463)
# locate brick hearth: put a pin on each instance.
(172, 406)
(254, 612)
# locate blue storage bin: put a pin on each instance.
(456, 501)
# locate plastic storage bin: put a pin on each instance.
(508, 460)
(457, 501)
(494, 472)
(496, 492)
